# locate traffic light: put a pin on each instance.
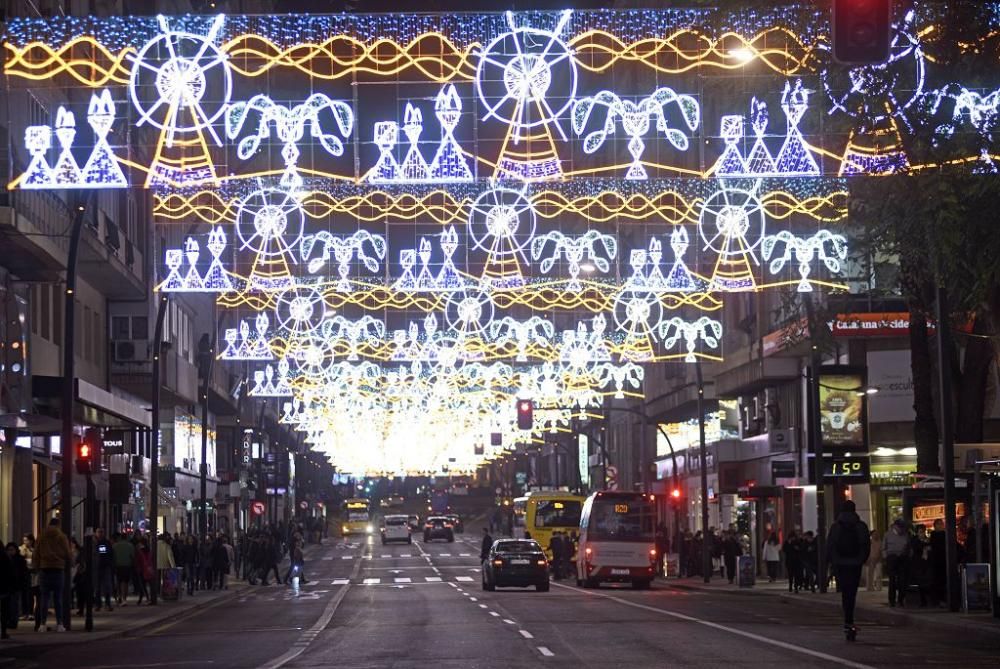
(84, 457)
(676, 498)
(525, 414)
(862, 31)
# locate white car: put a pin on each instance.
(396, 528)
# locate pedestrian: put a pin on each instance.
(919, 572)
(810, 560)
(164, 557)
(487, 544)
(296, 561)
(220, 563)
(52, 554)
(29, 597)
(206, 573)
(847, 549)
(792, 549)
(662, 540)
(231, 559)
(22, 584)
(272, 556)
(144, 570)
(771, 551)
(105, 562)
(81, 591)
(124, 556)
(715, 550)
(189, 562)
(896, 552)
(731, 551)
(873, 565)
(8, 590)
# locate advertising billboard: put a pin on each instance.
(842, 408)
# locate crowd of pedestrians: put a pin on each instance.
(31, 574)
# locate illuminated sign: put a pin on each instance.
(842, 408)
(843, 469)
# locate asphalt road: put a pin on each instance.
(421, 605)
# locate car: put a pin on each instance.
(395, 501)
(396, 528)
(456, 522)
(414, 521)
(438, 527)
(516, 562)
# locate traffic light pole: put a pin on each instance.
(68, 401)
(154, 449)
(88, 549)
(203, 510)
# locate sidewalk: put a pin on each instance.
(873, 605)
(121, 621)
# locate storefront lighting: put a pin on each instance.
(884, 452)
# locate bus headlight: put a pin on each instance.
(369, 529)
(345, 530)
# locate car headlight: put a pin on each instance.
(345, 529)
(369, 529)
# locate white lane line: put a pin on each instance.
(482, 606)
(372, 581)
(385, 555)
(509, 621)
(341, 581)
(309, 635)
(327, 557)
(464, 579)
(526, 634)
(465, 555)
(494, 614)
(732, 630)
(404, 555)
(437, 579)
(472, 599)
(443, 555)
(403, 580)
(346, 557)
(545, 651)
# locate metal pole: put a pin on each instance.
(706, 546)
(816, 436)
(88, 547)
(203, 510)
(947, 449)
(154, 448)
(68, 401)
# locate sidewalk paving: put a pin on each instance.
(873, 605)
(121, 621)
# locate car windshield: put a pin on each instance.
(395, 521)
(517, 547)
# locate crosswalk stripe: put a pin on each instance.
(341, 581)
(372, 581)
(385, 555)
(464, 579)
(403, 580)
(433, 579)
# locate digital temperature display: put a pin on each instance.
(847, 469)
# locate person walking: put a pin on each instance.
(771, 552)
(809, 552)
(731, 551)
(556, 549)
(124, 555)
(22, 584)
(847, 548)
(233, 565)
(487, 544)
(29, 597)
(81, 591)
(662, 548)
(143, 570)
(792, 549)
(52, 554)
(165, 559)
(896, 552)
(189, 562)
(272, 556)
(105, 563)
(873, 565)
(206, 572)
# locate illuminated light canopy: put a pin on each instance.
(805, 250)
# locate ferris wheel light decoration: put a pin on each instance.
(502, 224)
(299, 310)
(194, 66)
(731, 222)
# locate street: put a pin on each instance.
(422, 605)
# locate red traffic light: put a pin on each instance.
(84, 459)
(84, 452)
(525, 414)
(675, 493)
(862, 31)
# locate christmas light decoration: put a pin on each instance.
(805, 250)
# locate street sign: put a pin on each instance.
(257, 508)
(303, 505)
(782, 469)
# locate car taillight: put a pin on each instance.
(447, 524)
(498, 562)
(588, 552)
(652, 552)
(428, 526)
(542, 563)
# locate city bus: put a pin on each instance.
(538, 514)
(355, 515)
(617, 540)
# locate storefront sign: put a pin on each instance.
(841, 407)
(976, 593)
(782, 469)
(891, 373)
(114, 442)
(886, 324)
(928, 513)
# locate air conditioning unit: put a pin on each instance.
(132, 350)
(780, 441)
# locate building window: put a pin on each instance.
(140, 327)
(119, 328)
(98, 339)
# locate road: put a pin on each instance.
(422, 606)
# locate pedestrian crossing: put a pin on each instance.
(410, 556)
(402, 580)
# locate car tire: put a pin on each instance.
(542, 587)
(489, 587)
(409, 540)
(579, 582)
(590, 583)
(451, 539)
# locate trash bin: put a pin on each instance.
(170, 586)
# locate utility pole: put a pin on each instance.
(206, 357)
(69, 398)
(706, 544)
(816, 435)
(154, 448)
(947, 448)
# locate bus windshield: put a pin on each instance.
(621, 519)
(557, 513)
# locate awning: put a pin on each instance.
(94, 405)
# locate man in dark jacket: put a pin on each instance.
(847, 548)
(731, 551)
(484, 549)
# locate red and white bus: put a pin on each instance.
(617, 540)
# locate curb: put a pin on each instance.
(897, 617)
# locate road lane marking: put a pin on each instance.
(494, 614)
(545, 651)
(443, 555)
(403, 579)
(464, 579)
(341, 581)
(404, 555)
(526, 634)
(346, 557)
(371, 581)
(437, 579)
(723, 628)
(309, 635)
(472, 599)
(464, 555)
(482, 606)
(509, 621)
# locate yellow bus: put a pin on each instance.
(355, 514)
(538, 514)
